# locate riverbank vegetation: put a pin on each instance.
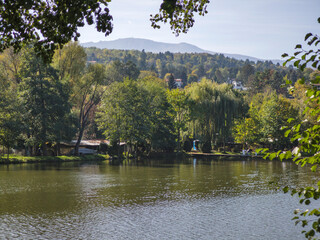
(14, 159)
(124, 97)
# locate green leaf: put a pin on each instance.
(296, 63)
(301, 81)
(286, 134)
(290, 120)
(312, 40)
(281, 156)
(298, 46)
(311, 233)
(285, 189)
(314, 64)
(288, 82)
(284, 55)
(288, 155)
(307, 36)
(303, 66)
(272, 156)
(315, 225)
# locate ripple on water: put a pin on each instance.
(149, 203)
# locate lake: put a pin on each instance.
(155, 199)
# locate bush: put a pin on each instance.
(187, 145)
(206, 147)
(220, 149)
(113, 148)
(103, 147)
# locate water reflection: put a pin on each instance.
(159, 199)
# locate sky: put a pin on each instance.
(259, 28)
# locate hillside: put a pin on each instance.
(157, 47)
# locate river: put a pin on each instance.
(156, 199)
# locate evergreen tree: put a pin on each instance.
(171, 82)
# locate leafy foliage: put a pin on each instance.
(49, 24)
(306, 137)
(180, 14)
(213, 110)
(303, 57)
(137, 113)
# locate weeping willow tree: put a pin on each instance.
(213, 110)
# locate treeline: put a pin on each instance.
(191, 67)
(43, 105)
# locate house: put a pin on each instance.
(316, 86)
(238, 85)
(179, 82)
(87, 146)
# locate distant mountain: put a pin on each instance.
(156, 47)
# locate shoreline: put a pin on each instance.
(52, 159)
(223, 155)
(100, 157)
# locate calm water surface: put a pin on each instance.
(188, 199)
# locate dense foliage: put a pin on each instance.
(305, 134)
(53, 23)
(192, 67)
(118, 95)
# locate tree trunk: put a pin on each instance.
(8, 153)
(58, 149)
(44, 149)
(178, 139)
(76, 148)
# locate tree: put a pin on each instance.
(213, 109)
(306, 137)
(160, 114)
(178, 101)
(118, 71)
(44, 99)
(136, 112)
(179, 14)
(245, 131)
(10, 114)
(245, 72)
(51, 24)
(171, 82)
(85, 84)
(89, 91)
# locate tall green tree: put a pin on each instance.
(44, 99)
(10, 113)
(85, 84)
(124, 115)
(89, 90)
(214, 108)
(178, 101)
(171, 82)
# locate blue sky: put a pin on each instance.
(258, 28)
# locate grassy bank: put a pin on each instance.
(38, 159)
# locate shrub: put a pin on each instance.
(206, 147)
(187, 145)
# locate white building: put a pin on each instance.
(238, 85)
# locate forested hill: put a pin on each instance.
(191, 67)
(157, 47)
